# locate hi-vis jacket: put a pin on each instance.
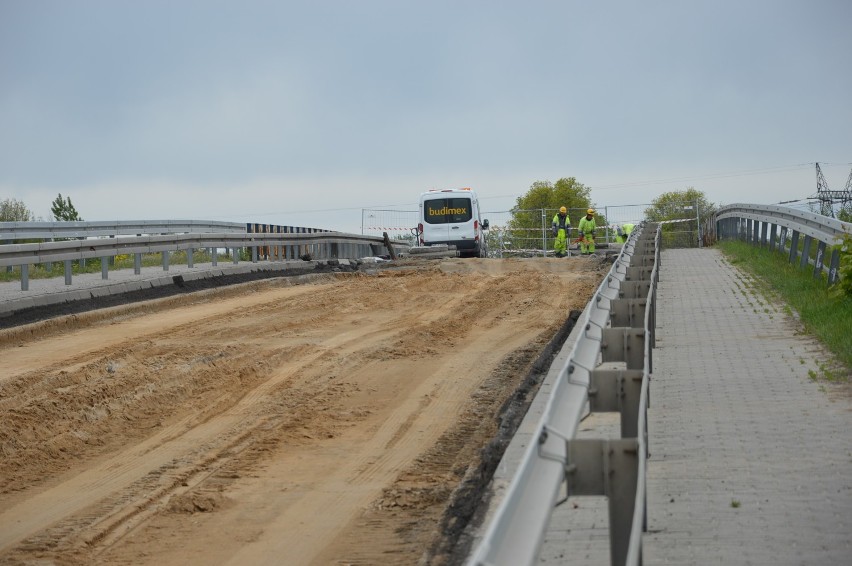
(586, 226)
(561, 223)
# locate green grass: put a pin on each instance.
(824, 316)
(94, 265)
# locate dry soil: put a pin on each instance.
(326, 420)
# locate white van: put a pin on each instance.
(451, 216)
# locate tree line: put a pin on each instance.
(62, 209)
(542, 195)
(575, 196)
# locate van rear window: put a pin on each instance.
(447, 210)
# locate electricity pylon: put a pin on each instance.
(828, 198)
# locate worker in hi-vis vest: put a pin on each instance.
(623, 232)
(586, 230)
(561, 229)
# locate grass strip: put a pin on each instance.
(826, 317)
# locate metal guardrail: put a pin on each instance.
(11, 231)
(608, 370)
(781, 227)
(321, 245)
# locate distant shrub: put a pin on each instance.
(844, 287)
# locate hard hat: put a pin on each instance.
(590, 211)
(563, 210)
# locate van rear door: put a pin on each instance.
(447, 219)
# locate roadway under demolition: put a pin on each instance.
(331, 419)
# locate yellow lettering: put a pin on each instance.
(445, 210)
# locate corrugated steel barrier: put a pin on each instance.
(609, 369)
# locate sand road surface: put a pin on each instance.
(318, 420)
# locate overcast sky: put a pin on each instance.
(305, 112)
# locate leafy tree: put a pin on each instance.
(14, 210)
(527, 222)
(672, 206)
(565, 192)
(844, 287)
(63, 210)
(689, 205)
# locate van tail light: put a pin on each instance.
(476, 230)
(420, 231)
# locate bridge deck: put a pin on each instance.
(750, 458)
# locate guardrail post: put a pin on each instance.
(49, 265)
(214, 256)
(25, 277)
(773, 229)
(104, 268)
(782, 241)
(833, 267)
(236, 256)
(624, 345)
(68, 270)
(254, 254)
(636, 289)
(806, 252)
(794, 247)
(639, 273)
(165, 255)
(286, 252)
(818, 261)
(764, 228)
(617, 390)
(610, 468)
(137, 263)
(190, 260)
(628, 312)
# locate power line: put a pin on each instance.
(744, 173)
(720, 175)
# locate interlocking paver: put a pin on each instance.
(751, 460)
